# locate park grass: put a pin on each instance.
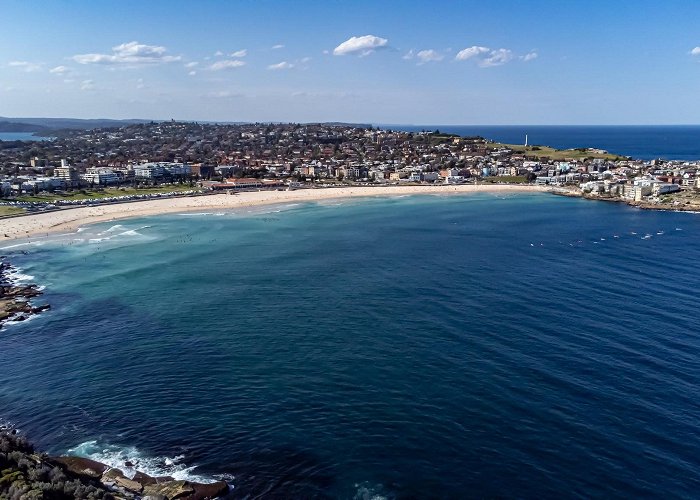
(96, 194)
(510, 179)
(6, 211)
(545, 152)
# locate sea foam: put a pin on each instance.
(116, 456)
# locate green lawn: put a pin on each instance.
(7, 211)
(87, 194)
(554, 154)
(510, 179)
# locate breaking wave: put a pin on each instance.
(119, 456)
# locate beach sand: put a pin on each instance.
(70, 219)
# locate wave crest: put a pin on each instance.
(118, 456)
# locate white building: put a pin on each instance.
(664, 188)
(100, 175)
(156, 170)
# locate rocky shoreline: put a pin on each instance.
(28, 474)
(15, 298)
(644, 205)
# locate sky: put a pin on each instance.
(381, 62)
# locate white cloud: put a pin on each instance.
(470, 52)
(131, 53)
(409, 55)
(191, 64)
(27, 66)
(281, 65)
(277, 47)
(218, 53)
(220, 65)
(429, 55)
(192, 73)
(695, 51)
(487, 57)
(59, 70)
(529, 56)
(240, 53)
(364, 45)
(497, 58)
(87, 85)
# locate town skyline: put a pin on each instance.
(389, 63)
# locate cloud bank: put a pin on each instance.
(221, 65)
(131, 53)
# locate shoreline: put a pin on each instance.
(39, 475)
(17, 297)
(70, 219)
(642, 205)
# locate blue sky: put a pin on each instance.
(450, 62)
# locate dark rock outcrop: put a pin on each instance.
(82, 466)
(211, 490)
(15, 299)
(29, 475)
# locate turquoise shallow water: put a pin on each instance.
(484, 345)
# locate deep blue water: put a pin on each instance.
(646, 142)
(415, 347)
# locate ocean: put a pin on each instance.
(645, 142)
(484, 345)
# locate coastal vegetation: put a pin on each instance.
(26, 474)
(6, 211)
(548, 153)
(508, 179)
(96, 194)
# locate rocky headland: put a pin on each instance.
(31, 475)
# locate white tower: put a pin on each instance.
(525, 140)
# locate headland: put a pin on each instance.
(28, 473)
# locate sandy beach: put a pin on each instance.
(71, 219)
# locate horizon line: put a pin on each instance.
(373, 124)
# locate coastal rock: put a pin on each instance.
(78, 477)
(110, 476)
(170, 490)
(83, 466)
(116, 478)
(41, 308)
(129, 484)
(211, 490)
(145, 479)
